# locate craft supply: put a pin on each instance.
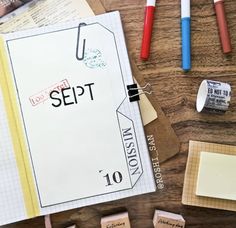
(148, 112)
(166, 148)
(163, 142)
(74, 10)
(163, 219)
(42, 13)
(189, 196)
(120, 220)
(213, 97)
(223, 26)
(186, 34)
(53, 94)
(147, 30)
(217, 168)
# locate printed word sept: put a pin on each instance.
(70, 95)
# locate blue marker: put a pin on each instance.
(186, 34)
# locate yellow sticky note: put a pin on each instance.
(216, 176)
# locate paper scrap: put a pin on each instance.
(214, 169)
(46, 12)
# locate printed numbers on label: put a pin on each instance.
(114, 178)
(210, 90)
(226, 93)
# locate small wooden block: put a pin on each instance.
(116, 221)
(163, 219)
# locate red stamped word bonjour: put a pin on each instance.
(44, 94)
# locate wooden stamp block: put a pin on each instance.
(116, 221)
(163, 219)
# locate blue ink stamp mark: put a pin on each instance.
(93, 59)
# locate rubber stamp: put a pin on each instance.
(120, 220)
(163, 219)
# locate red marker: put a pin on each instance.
(147, 30)
(223, 27)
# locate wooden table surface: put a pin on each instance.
(176, 92)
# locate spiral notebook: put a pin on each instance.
(71, 130)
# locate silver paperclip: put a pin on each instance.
(80, 49)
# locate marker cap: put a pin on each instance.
(151, 2)
(223, 27)
(185, 8)
(147, 32)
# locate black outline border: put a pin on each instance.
(22, 116)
